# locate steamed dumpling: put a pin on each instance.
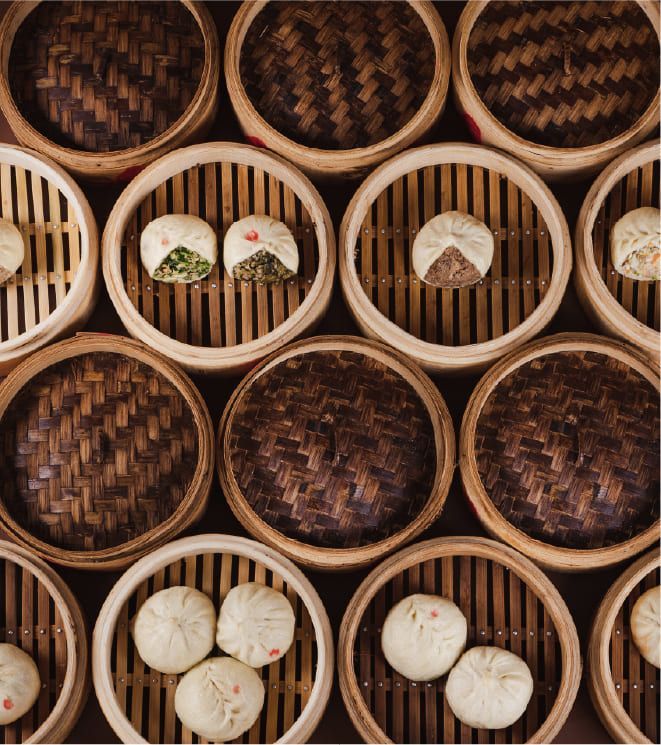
(423, 635)
(178, 248)
(12, 249)
(489, 688)
(256, 624)
(219, 699)
(636, 244)
(645, 625)
(452, 250)
(174, 629)
(19, 683)
(260, 248)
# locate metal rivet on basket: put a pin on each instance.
(171, 681)
(10, 632)
(367, 230)
(72, 224)
(291, 282)
(495, 232)
(309, 281)
(481, 281)
(397, 684)
(550, 688)
(383, 231)
(365, 684)
(379, 630)
(482, 632)
(58, 276)
(55, 226)
(617, 631)
(612, 272)
(26, 632)
(306, 688)
(42, 631)
(131, 237)
(496, 281)
(229, 284)
(43, 685)
(398, 231)
(121, 680)
(59, 629)
(414, 231)
(380, 684)
(26, 279)
(532, 633)
(414, 685)
(543, 281)
(367, 279)
(24, 228)
(635, 685)
(289, 687)
(197, 287)
(429, 685)
(527, 281)
(275, 685)
(542, 232)
(133, 287)
(365, 629)
(383, 280)
(499, 632)
(617, 685)
(140, 680)
(214, 285)
(307, 634)
(512, 232)
(548, 633)
(515, 632)
(307, 230)
(245, 284)
(415, 281)
(513, 281)
(399, 280)
(148, 288)
(651, 685)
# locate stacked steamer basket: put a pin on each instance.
(139, 702)
(55, 289)
(507, 601)
(627, 308)
(107, 452)
(337, 88)
(336, 451)
(559, 451)
(565, 85)
(105, 87)
(624, 687)
(39, 615)
(461, 329)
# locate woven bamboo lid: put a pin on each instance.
(40, 615)
(564, 85)
(336, 451)
(559, 451)
(107, 451)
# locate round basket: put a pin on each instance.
(40, 615)
(55, 290)
(565, 85)
(337, 88)
(107, 452)
(559, 451)
(620, 306)
(219, 325)
(336, 451)
(103, 87)
(508, 602)
(624, 687)
(139, 702)
(454, 330)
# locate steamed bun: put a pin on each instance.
(261, 248)
(645, 624)
(19, 683)
(12, 249)
(636, 244)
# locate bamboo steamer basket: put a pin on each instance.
(56, 288)
(508, 602)
(619, 306)
(40, 615)
(559, 451)
(336, 451)
(450, 331)
(108, 452)
(139, 702)
(337, 88)
(103, 88)
(217, 325)
(566, 86)
(624, 687)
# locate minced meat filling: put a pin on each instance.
(644, 264)
(182, 265)
(262, 266)
(452, 269)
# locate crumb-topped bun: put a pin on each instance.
(636, 244)
(260, 248)
(645, 625)
(19, 683)
(178, 248)
(423, 635)
(453, 249)
(12, 249)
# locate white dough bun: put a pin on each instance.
(632, 232)
(272, 236)
(12, 249)
(19, 683)
(645, 624)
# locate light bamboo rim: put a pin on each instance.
(438, 358)
(75, 687)
(600, 677)
(327, 163)
(118, 163)
(239, 357)
(343, 559)
(194, 501)
(607, 311)
(552, 163)
(545, 554)
(80, 299)
(201, 544)
(485, 548)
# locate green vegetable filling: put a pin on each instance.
(261, 267)
(182, 265)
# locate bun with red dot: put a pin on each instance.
(19, 683)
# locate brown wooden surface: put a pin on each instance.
(582, 592)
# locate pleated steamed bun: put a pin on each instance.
(645, 624)
(19, 683)
(636, 244)
(12, 249)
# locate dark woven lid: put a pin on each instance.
(337, 75)
(567, 448)
(104, 76)
(565, 74)
(333, 448)
(96, 451)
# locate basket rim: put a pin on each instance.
(611, 314)
(429, 354)
(115, 159)
(218, 358)
(506, 138)
(600, 677)
(343, 559)
(486, 548)
(194, 501)
(195, 545)
(545, 554)
(75, 690)
(330, 161)
(38, 335)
